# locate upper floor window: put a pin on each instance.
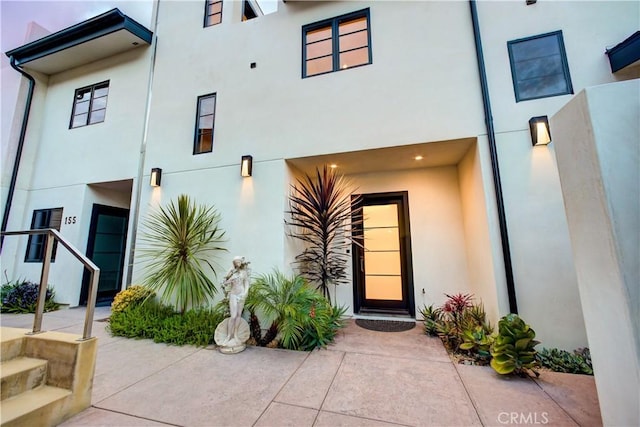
(89, 105)
(204, 124)
(212, 12)
(336, 44)
(539, 66)
(249, 11)
(42, 218)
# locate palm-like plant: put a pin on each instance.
(180, 243)
(289, 304)
(320, 214)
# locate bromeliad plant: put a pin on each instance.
(321, 217)
(180, 244)
(513, 349)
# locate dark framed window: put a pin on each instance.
(89, 105)
(336, 44)
(539, 66)
(42, 218)
(205, 119)
(248, 12)
(212, 12)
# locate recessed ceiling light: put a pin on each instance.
(333, 166)
(418, 157)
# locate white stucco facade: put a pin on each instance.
(421, 95)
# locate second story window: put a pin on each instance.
(539, 67)
(212, 12)
(42, 218)
(89, 105)
(204, 124)
(336, 44)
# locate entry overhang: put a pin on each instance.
(100, 37)
(625, 53)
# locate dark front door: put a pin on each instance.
(382, 263)
(106, 248)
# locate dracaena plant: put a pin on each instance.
(179, 245)
(320, 215)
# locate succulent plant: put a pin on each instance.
(431, 316)
(513, 349)
(477, 342)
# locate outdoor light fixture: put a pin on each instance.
(539, 127)
(246, 166)
(156, 176)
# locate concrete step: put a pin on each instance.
(11, 343)
(42, 406)
(21, 374)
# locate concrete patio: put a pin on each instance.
(366, 379)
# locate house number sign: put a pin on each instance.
(69, 219)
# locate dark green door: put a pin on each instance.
(106, 248)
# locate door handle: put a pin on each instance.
(362, 264)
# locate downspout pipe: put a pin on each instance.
(16, 163)
(497, 183)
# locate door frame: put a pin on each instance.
(97, 210)
(359, 303)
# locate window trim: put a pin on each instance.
(563, 59)
(195, 135)
(335, 36)
(40, 257)
(207, 3)
(93, 88)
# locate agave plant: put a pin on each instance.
(320, 214)
(179, 246)
(513, 349)
(431, 316)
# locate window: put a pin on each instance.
(539, 66)
(42, 218)
(212, 13)
(248, 11)
(204, 124)
(89, 105)
(336, 44)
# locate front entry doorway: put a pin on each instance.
(382, 270)
(106, 248)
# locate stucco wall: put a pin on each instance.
(598, 158)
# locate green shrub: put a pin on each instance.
(161, 323)
(513, 349)
(578, 362)
(299, 315)
(133, 295)
(21, 296)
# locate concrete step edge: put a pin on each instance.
(17, 409)
(21, 374)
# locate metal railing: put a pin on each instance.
(51, 235)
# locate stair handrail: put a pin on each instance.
(51, 235)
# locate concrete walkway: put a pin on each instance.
(366, 379)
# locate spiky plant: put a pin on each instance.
(320, 216)
(179, 246)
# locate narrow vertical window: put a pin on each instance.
(539, 67)
(336, 44)
(41, 219)
(212, 12)
(204, 124)
(89, 105)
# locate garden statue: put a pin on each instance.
(232, 333)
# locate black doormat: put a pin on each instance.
(385, 325)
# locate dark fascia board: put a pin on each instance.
(98, 26)
(625, 53)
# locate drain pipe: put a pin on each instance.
(16, 163)
(488, 119)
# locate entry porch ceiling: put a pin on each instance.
(97, 38)
(434, 154)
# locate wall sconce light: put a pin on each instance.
(539, 128)
(156, 177)
(246, 166)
